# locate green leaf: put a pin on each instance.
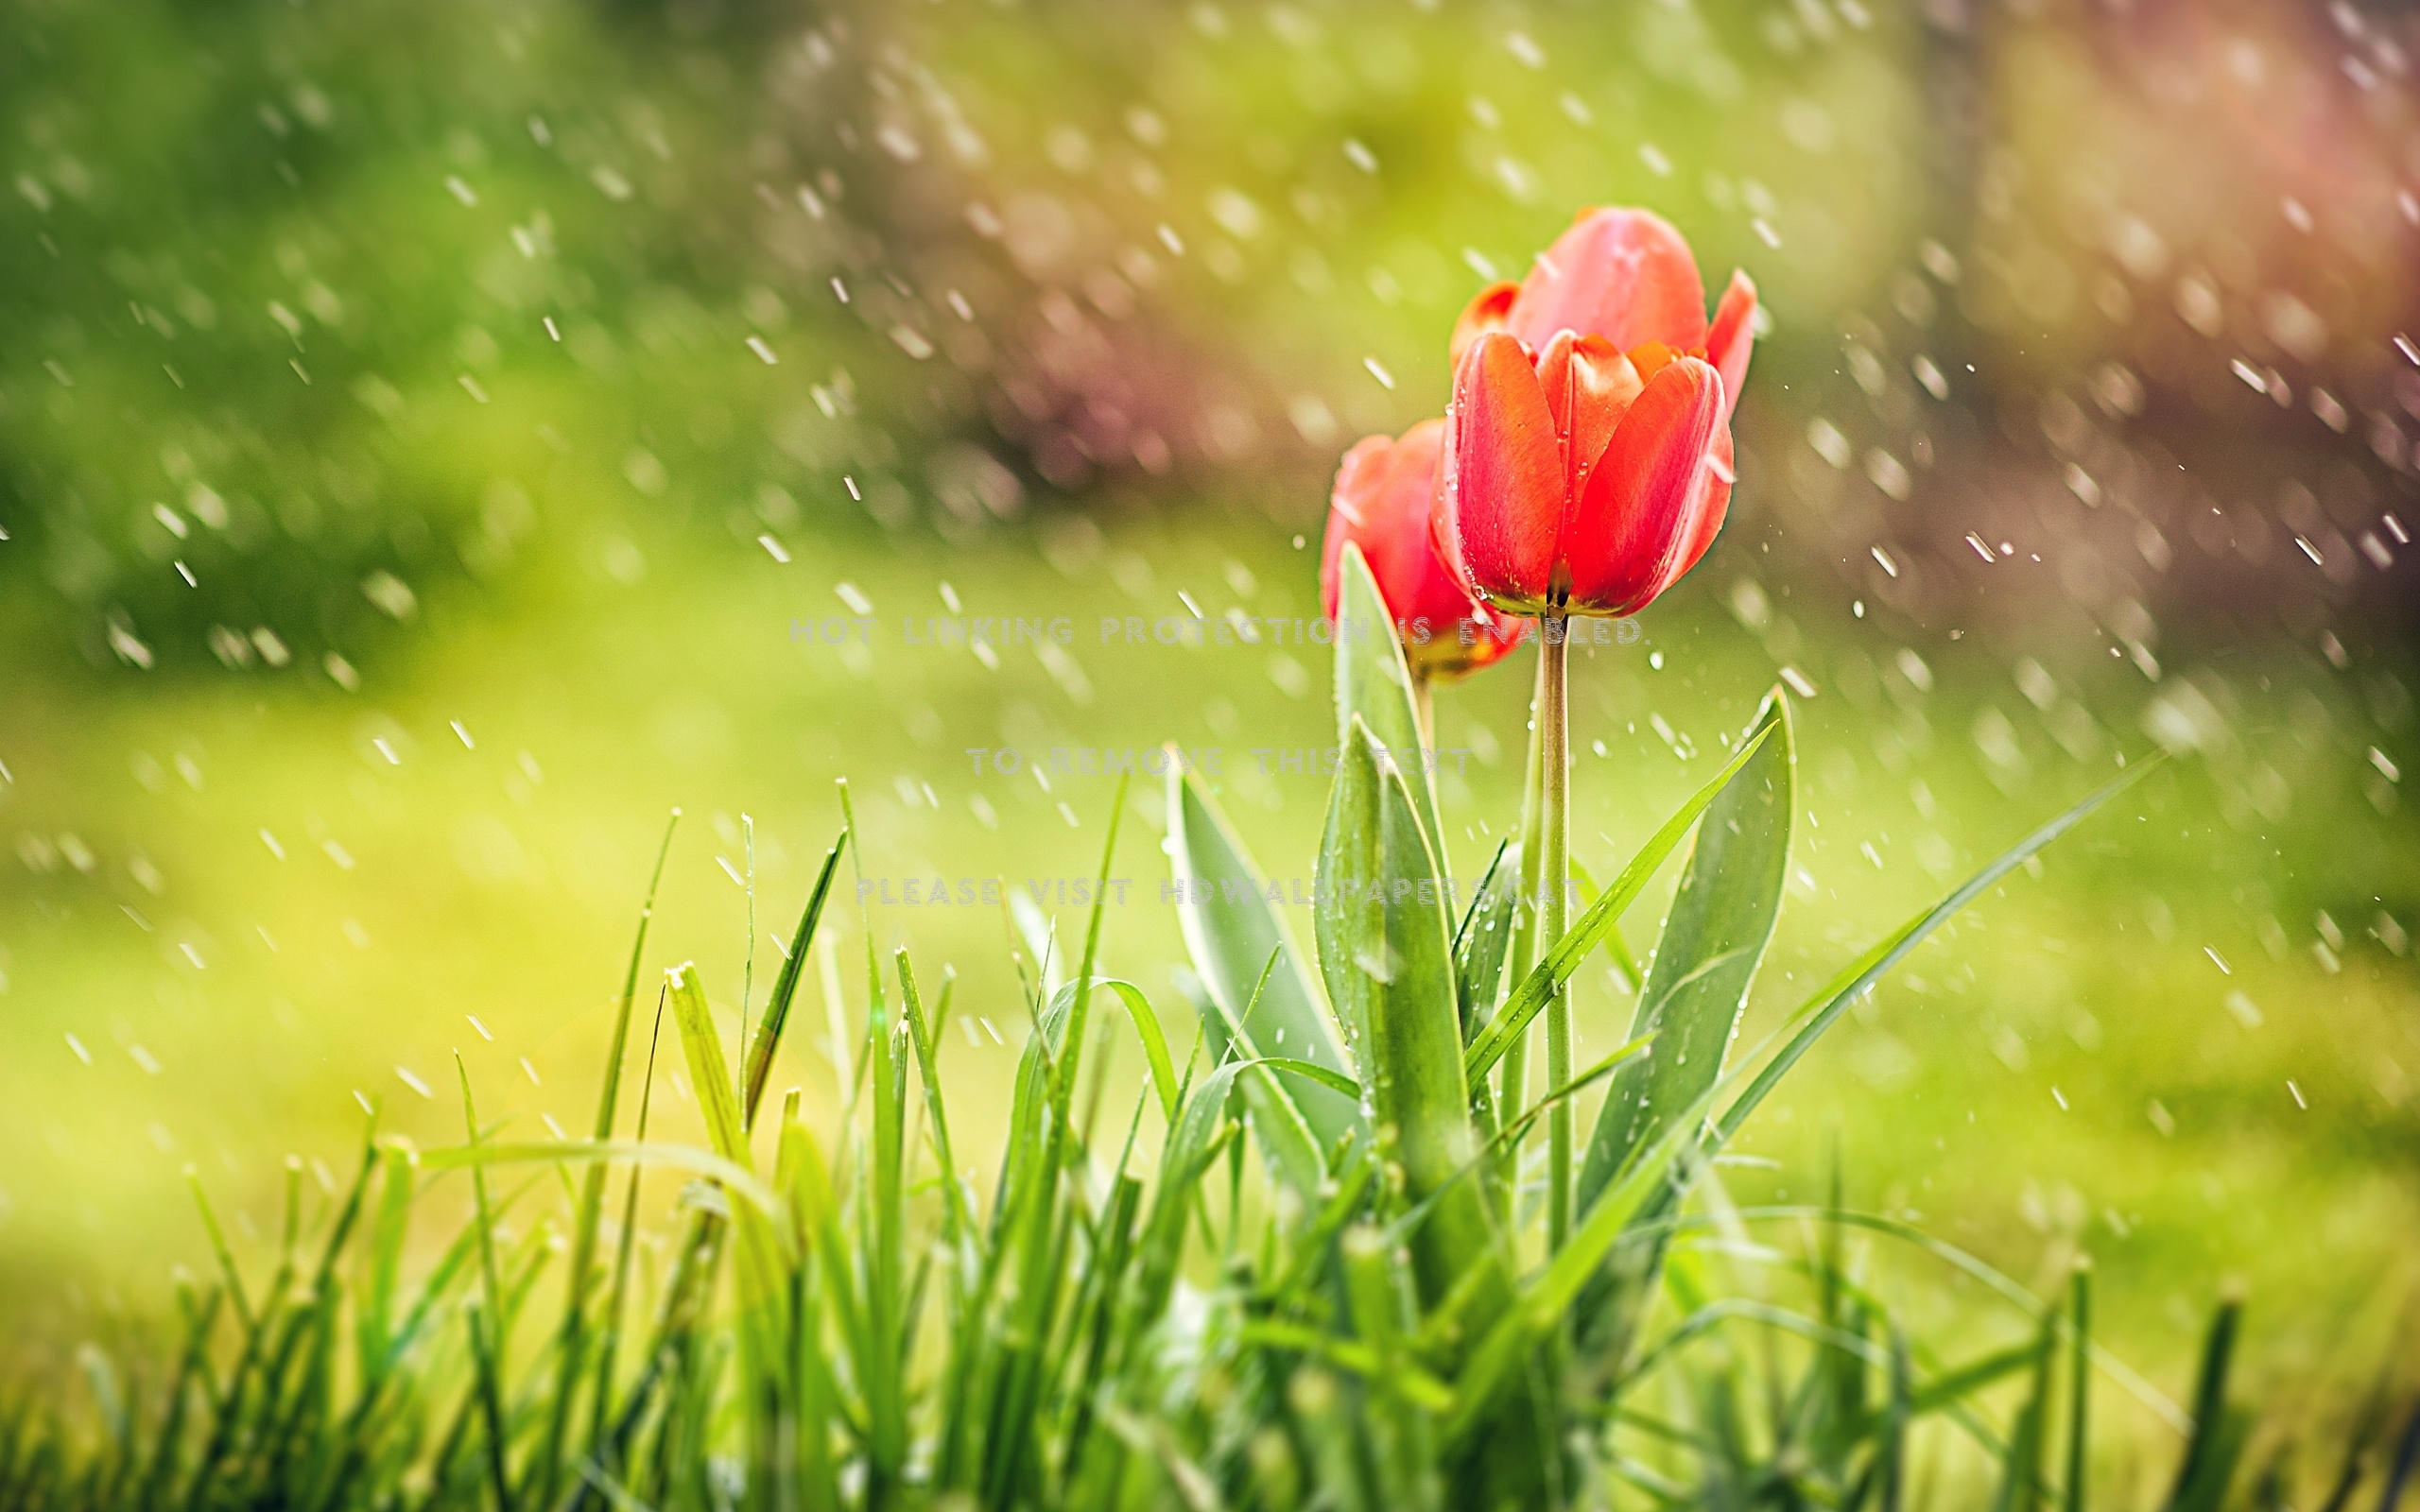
(1403, 1447)
(719, 1100)
(2219, 1429)
(1496, 1368)
(1388, 964)
(2020, 1482)
(2079, 1386)
(1825, 1008)
(1484, 939)
(574, 1330)
(1155, 1044)
(1373, 684)
(1334, 1081)
(777, 1008)
(1564, 955)
(1193, 1143)
(920, 1037)
(708, 1071)
(1237, 934)
(388, 1233)
(1721, 921)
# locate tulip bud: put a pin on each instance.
(1381, 503)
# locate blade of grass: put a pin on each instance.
(2079, 1384)
(617, 1292)
(2218, 1430)
(199, 1322)
(572, 1335)
(759, 1061)
(486, 1320)
(2020, 1482)
(957, 1220)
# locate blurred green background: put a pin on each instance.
(438, 439)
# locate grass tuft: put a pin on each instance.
(1292, 1274)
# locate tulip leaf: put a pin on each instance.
(1485, 937)
(1240, 945)
(1612, 1304)
(1819, 1012)
(1494, 1368)
(1387, 961)
(1721, 921)
(1373, 684)
(1563, 956)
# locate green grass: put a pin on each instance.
(1222, 1292)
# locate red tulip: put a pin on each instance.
(1587, 460)
(1381, 503)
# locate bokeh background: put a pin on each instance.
(437, 439)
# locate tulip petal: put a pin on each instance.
(1634, 520)
(1485, 313)
(1733, 332)
(1353, 509)
(1589, 387)
(1396, 543)
(1625, 275)
(1381, 503)
(1712, 502)
(1501, 483)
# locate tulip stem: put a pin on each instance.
(1424, 713)
(1554, 730)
